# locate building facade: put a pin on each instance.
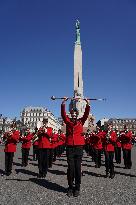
(5, 123)
(33, 116)
(119, 123)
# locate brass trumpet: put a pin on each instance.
(6, 137)
(35, 138)
(108, 135)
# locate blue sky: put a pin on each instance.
(37, 50)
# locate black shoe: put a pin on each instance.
(70, 192)
(43, 175)
(39, 176)
(82, 173)
(112, 175)
(8, 173)
(76, 193)
(107, 175)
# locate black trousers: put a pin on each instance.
(109, 162)
(87, 148)
(97, 157)
(127, 158)
(118, 155)
(91, 152)
(74, 160)
(43, 161)
(54, 154)
(35, 152)
(25, 155)
(50, 157)
(8, 161)
(61, 149)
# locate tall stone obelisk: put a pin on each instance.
(78, 81)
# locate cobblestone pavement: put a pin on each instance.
(23, 188)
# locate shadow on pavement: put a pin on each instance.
(61, 165)
(85, 160)
(34, 164)
(60, 159)
(88, 165)
(94, 174)
(43, 183)
(29, 159)
(57, 172)
(125, 174)
(49, 185)
(116, 166)
(17, 164)
(24, 171)
(20, 180)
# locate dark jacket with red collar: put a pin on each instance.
(74, 131)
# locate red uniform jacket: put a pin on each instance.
(87, 139)
(54, 140)
(91, 139)
(11, 143)
(35, 143)
(97, 140)
(126, 138)
(61, 139)
(44, 139)
(109, 144)
(74, 130)
(118, 141)
(26, 141)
